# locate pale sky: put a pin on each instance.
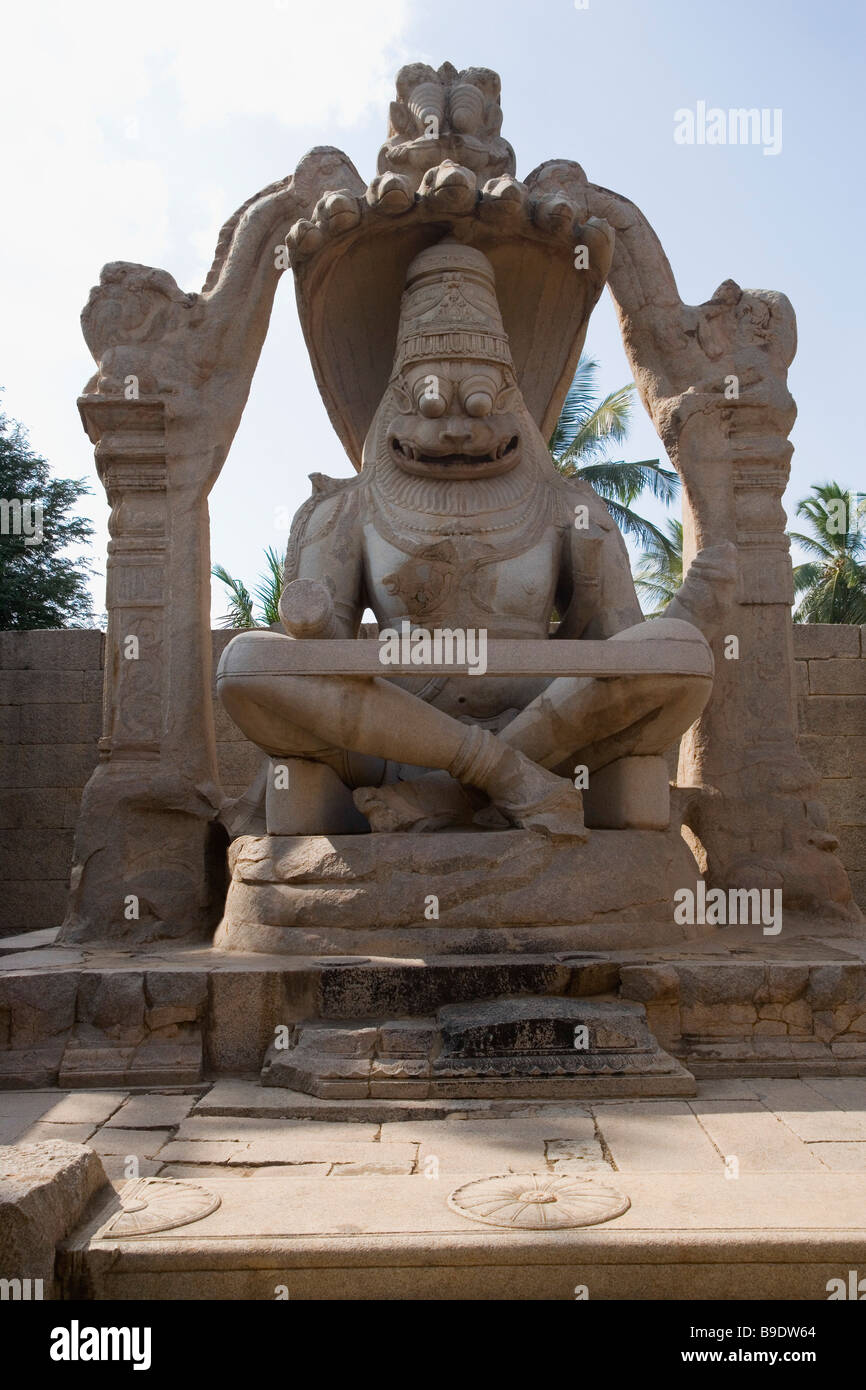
(132, 132)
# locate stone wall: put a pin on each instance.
(830, 663)
(50, 720)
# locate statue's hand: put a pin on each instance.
(708, 587)
(307, 609)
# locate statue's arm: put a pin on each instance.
(323, 588)
(595, 591)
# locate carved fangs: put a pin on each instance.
(409, 452)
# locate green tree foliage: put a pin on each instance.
(659, 572)
(41, 585)
(581, 444)
(240, 612)
(831, 586)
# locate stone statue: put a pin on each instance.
(444, 304)
(459, 521)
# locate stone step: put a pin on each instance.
(689, 1236)
(545, 1047)
(168, 1015)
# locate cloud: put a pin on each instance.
(292, 62)
(115, 121)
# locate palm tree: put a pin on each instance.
(832, 585)
(240, 612)
(581, 443)
(659, 573)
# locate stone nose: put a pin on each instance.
(455, 432)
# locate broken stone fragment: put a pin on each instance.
(44, 1191)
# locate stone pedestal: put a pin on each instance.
(629, 794)
(454, 893)
(536, 1048)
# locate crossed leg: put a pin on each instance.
(595, 720)
(317, 716)
(575, 719)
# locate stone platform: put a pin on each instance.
(535, 1047)
(735, 1003)
(754, 1189)
(455, 893)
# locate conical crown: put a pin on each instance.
(449, 308)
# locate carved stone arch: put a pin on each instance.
(173, 375)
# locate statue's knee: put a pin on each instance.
(690, 698)
(657, 629)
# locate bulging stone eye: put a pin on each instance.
(432, 406)
(479, 403)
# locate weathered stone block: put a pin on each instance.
(25, 809)
(244, 1009)
(801, 682)
(835, 756)
(226, 729)
(44, 1190)
(52, 649)
(786, 982)
(169, 1016)
(150, 1112)
(94, 682)
(38, 1005)
(845, 800)
(858, 886)
(728, 1020)
(649, 982)
(834, 715)
(798, 1016)
(47, 765)
(848, 1048)
(773, 1011)
(180, 987)
(55, 723)
(821, 640)
(837, 677)
(835, 984)
(41, 687)
(630, 793)
(113, 1001)
(42, 854)
(852, 845)
(10, 723)
(665, 1023)
(721, 983)
(239, 763)
(31, 906)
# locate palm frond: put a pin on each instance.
(660, 569)
(634, 525)
(606, 424)
(811, 546)
(240, 609)
(832, 585)
(578, 405)
(807, 576)
(270, 587)
(626, 482)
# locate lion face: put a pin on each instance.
(456, 420)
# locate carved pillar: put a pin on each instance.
(142, 863)
(714, 380)
(149, 857)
